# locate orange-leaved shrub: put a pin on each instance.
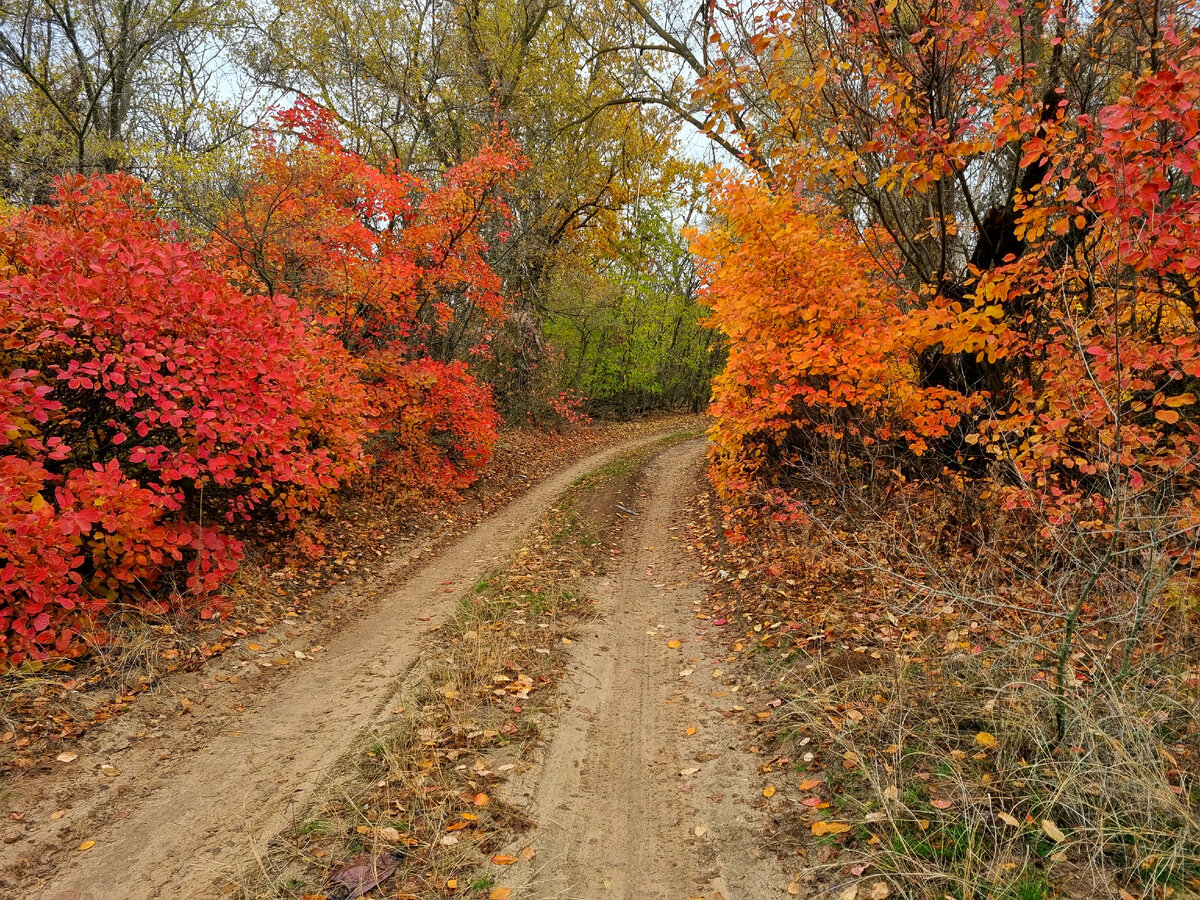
(1011, 289)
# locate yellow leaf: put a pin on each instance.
(86, 845)
(452, 884)
(985, 739)
(674, 645)
(500, 893)
(769, 790)
(691, 731)
(1181, 400)
(820, 828)
(36, 502)
(1053, 831)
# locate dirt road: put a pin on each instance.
(629, 804)
(167, 827)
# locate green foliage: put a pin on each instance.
(630, 330)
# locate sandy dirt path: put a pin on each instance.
(627, 803)
(189, 818)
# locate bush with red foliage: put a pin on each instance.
(144, 402)
(397, 268)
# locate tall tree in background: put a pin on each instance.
(420, 81)
(98, 85)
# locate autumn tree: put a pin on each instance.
(1022, 177)
(421, 82)
(93, 86)
(392, 266)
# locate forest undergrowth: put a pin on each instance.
(927, 740)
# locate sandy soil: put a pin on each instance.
(627, 803)
(167, 819)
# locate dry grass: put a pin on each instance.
(949, 769)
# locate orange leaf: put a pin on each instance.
(820, 828)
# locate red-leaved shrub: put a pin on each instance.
(144, 402)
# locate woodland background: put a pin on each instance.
(936, 262)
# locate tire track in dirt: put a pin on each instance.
(627, 804)
(181, 829)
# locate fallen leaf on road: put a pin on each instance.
(481, 800)
(674, 645)
(809, 783)
(690, 771)
(503, 859)
(500, 893)
(820, 828)
(67, 757)
(691, 731)
(58, 814)
(769, 790)
(528, 853)
(985, 739)
(86, 845)
(699, 831)
(110, 771)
